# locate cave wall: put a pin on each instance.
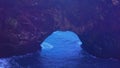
(24, 24)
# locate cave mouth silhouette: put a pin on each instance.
(61, 39)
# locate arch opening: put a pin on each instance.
(61, 45)
(61, 37)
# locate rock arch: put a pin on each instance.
(25, 24)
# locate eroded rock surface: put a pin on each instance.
(24, 24)
(23, 27)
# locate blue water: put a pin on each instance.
(59, 50)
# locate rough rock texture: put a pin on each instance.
(23, 27)
(103, 40)
(24, 24)
(100, 31)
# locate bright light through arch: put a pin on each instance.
(61, 37)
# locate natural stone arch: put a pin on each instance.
(22, 29)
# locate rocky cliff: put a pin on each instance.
(24, 24)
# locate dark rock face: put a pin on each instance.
(24, 24)
(23, 27)
(103, 40)
(101, 32)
